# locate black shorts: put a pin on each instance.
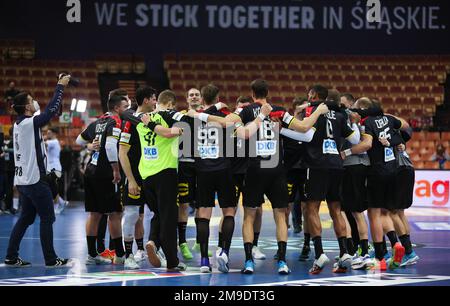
(209, 183)
(269, 182)
(381, 189)
(404, 187)
(296, 179)
(354, 188)
(238, 180)
(324, 185)
(187, 182)
(101, 195)
(131, 200)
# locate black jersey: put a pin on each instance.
(130, 137)
(381, 157)
(104, 127)
(294, 152)
(323, 150)
(210, 143)
(265, 146)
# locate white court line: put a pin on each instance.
(379, 279)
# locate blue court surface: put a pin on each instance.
(430, 233)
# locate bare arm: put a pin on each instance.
(307, 123)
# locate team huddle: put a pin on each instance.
(333, 148)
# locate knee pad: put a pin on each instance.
(130, 217)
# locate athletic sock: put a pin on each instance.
(364, 246)
(392, 238)
(140, 244)
(128, 248)
(307, 240)
(227, 232)
(318, 246)
(342, 245)
(118, 246)
(384, 246)
(92, 250)
(220, 242)
(255, 239)
(112, 247)
(203, 236)
(100, 245)
(182, 232)
(379, 250)
(248, 251)
(196, 227)
(406, 242)
(282, 250)
(350, 246)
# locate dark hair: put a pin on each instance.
(321, 91)
(333, 95)
(348, 96)
(118, 92)
(209, 93)
(298, 101)
(244, 99)
(166, 97)
(20, 101)
(115, 101)
(143, 93)
(260, 89)
(54, 130)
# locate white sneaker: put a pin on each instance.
(140, 256)
(365, 261)
(344, 264)
(257, 254)
(222, 261)
(130, 263)
(356, 260)
(162, 258)
(97, 260)
(319, 264)
(118, 260)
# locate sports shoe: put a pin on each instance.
(283, 268)
(387, 258)
(319, 264)
(130, 263)
(97, 260)
(257, 254)
(377, 265)
(305, 254)
(344, 264)
(60, 263)
(151, 254)
(196, 248)
(140, 256)
(398, 251)
(409, 259)
(180, 268)
(107, 254)
(185, 252)
(118, 260)
(205, 267)
(362, 262)
(356, 260)
(17, 263)
(249, 267)
(222, 261)
(162, 257)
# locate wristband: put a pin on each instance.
(203, 117)
(218, 105)
(287, 118)
(348, 152)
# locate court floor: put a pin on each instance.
(430, 233)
